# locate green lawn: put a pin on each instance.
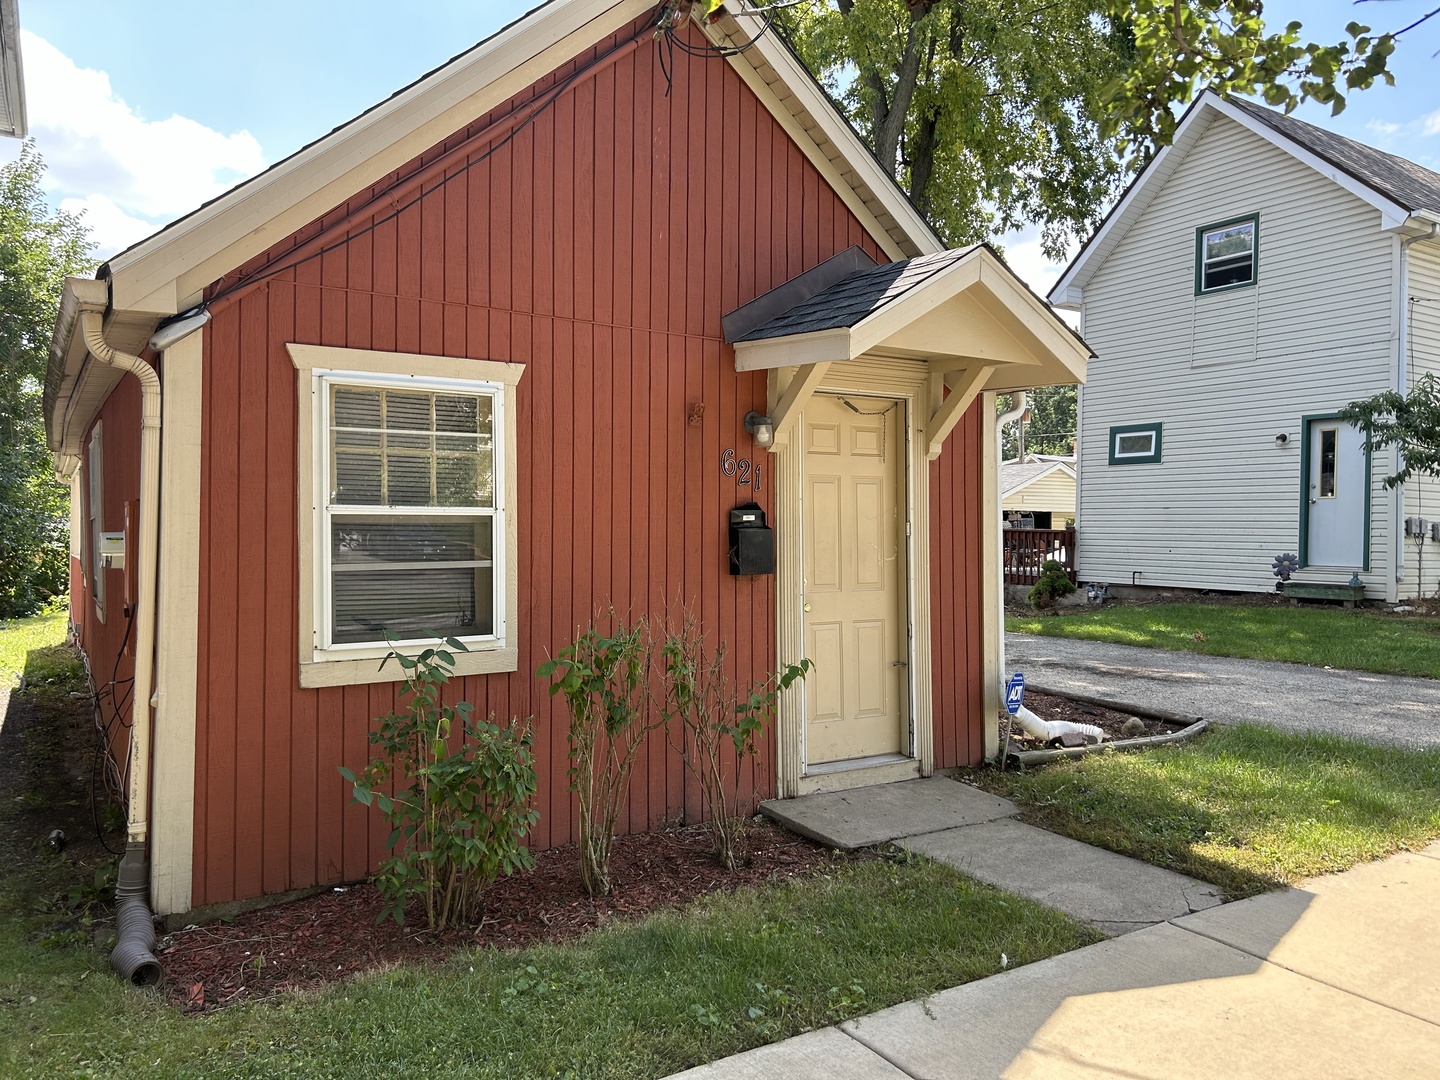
(1333, 637)
(41, 635)
(1245, 807)
(636, 999)
(674, 990)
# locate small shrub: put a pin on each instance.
(606, 684)
(1053, 582)
(704, 712)
(459, 821)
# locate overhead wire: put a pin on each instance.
(538, 106)
(666, 38)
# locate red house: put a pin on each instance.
(481, 359)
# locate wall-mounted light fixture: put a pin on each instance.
(759, 425)
(177, 329)
(1282, 439)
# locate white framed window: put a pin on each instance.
(1135, 444)
(407, 485)
(95, 514)
(1226, 254)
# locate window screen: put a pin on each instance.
(413, 513)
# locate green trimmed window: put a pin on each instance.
(1227, 254)
(1135, 444)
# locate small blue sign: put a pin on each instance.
(1015, 693)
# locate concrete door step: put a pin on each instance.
(864, 817)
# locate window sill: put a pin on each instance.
(317, 673)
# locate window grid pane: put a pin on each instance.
(386, 450)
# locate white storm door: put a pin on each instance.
(856, 699)
(1336, 495)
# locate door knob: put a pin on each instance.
(807, 607)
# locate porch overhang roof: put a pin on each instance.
(956, 309)
(963, 312)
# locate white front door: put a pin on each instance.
(1336, 495)
(857, 700)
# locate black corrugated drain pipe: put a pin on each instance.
(134, 956)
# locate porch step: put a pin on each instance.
(1350, 595)
(864, 817)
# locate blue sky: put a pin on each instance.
(143, 111)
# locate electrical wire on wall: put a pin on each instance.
(663, 26)
(108, 704)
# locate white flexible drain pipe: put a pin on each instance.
(1053, 729)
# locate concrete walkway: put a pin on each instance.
(972, 831)
(1381, 708)
(1340, 978)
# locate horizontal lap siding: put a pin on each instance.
(599, 247)
(1227, 372)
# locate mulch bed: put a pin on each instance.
(333, 936)
(1113, 723)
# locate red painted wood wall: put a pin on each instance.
(599, 247)
(111, 666)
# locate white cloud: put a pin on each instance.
(1023, 253)
(131, 175)
(111, 228)
(1383, 128)
(1430, 125)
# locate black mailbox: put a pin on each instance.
(752, 542)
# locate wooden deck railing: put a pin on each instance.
(1025, 551)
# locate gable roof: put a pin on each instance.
(1397, 188)
(1015, 475)
(166, 272)
(858, 296)
(1412, 186)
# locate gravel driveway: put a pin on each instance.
(1382, 708)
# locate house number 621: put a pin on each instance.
(748, 473)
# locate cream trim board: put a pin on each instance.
(807, 93)
(992, 628)
(166, 272)
(350, 667)
(172, 812)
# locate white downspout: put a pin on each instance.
(1402, 387)
(1034, 725)
(134, 956)
(1014, 413)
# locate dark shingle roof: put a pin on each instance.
(853, 299)
(1412, 186)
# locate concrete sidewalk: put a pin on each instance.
(1340, 978)
(1391, 709)
(973, 831)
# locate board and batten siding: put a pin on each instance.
(599, 247)
(1054, 494)
(1227, 372)
(1422, 493)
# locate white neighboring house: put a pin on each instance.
(1260, 274)
(1041, 487)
